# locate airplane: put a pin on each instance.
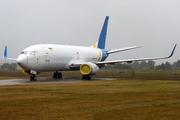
(88, 60)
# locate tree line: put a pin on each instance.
(146, 65)
(7, 66)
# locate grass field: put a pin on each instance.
(134, 95)
(99, 100)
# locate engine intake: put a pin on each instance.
(89, 69)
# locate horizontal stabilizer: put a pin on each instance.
(138, 59)
(122, 49)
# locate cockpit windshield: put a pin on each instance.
(25, 52)
(22, 52)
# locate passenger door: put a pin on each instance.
(47, 56)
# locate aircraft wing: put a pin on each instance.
(138, 59)
(122, 49)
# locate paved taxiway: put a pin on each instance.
(47, 81)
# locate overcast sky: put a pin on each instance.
(152, 24)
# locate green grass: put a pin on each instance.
(113, 99)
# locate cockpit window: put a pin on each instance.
(30, 52)
(24, 52)
(34, 53)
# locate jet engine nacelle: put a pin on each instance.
(89, 69)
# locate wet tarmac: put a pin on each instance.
(47, 81)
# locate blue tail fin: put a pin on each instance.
(102, 37)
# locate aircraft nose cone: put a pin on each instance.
(22, 61)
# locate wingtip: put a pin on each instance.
(5, 52)
(173, 50)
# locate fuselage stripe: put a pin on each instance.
(99, 54)
(27, 58)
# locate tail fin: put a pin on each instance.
(102, 38)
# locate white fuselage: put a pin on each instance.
(50, 57)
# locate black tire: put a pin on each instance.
(60, 75)
(55, 75)
(86, 77)
(33, 78)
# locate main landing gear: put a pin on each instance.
(57, 74)
(86, 77)
(33, 78)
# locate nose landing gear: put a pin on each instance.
(33, 78)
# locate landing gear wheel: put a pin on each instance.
(57, 75)
(54, 75)
(86, 77)
(33, 78)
